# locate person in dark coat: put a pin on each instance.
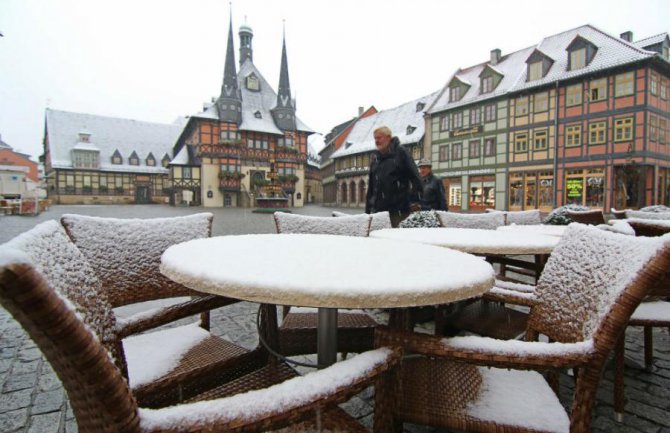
(433, 190)
(393, 179)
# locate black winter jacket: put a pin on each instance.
(389, 180)
(433, 194)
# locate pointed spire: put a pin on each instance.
(284, 111)
(246, 35)
(230, 101)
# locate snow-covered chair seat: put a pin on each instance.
(647, 215)
(487, 221)
(47, 286)
(588, 290)
(654, 312)
(520, 217)
(158, 370)
(125, 255)
(297, 332)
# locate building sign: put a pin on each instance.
(574, 188)
(469, 131)
(142, 178)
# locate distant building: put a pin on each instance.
(334, 140)
(99, 159)
(313, 184)
(226, 152)
(582, 117)
(352, 158)
(18, 173)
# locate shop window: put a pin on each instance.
(585, 188)
(573, 135)
(623, 129)
(545, 191)
(482, 194)
(624, 84)
(597, 132)
(573, 95)
(598, 89)
(455, 196)
(516, 191)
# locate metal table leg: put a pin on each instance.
(326, 337)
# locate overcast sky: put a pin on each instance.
(155, 60)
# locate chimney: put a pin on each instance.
(360, 111)
(627, 36)
(495, 56)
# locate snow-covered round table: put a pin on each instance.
(539, 229)
(327, 272)
(496, 245)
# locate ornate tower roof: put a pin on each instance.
(229, 103)
(284, 111)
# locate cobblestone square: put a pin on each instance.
(33, 400)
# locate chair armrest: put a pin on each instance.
(279, 405)
(485, 351)
(160, 316)
(499, 294)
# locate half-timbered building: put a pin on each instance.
(98, 159)
(581, 118)
(226, 152)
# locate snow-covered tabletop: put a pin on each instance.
(541, 229)
(476, 241)
(327, 271)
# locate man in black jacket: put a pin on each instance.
(433, 190)
(392, 170)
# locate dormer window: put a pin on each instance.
(410, 129)
(348, 144)
(85, 159)
(117, 159)
(454, 94)
(577, 59)
(535, 71)
(84, 137)
(258, 115)
(487, 84)
(253, 83)
(580, 53)
(150, 161)
(134, 159)
(538, 65)
(420, 106)
(165, 161)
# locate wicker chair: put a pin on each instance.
(592, 217)
(46, 285)
(487, 221)
(125, 255)
(655, 312)
(588, 290)
(297, 332)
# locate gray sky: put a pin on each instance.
(155, 60)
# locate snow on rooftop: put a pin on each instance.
(612, 51)
(651, 40)
(109, 134)
(398, 119)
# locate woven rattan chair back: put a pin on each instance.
(126, 253)
(352, 225)
(593, 217)
(573, 305)
(46, 284)
(486, 221)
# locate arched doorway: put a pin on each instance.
(343, 195)
(352, 192)
(361, 191)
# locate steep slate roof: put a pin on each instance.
(262, 101)
(651, 40)
(109, 134)
(361, 138)
(612, 51)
